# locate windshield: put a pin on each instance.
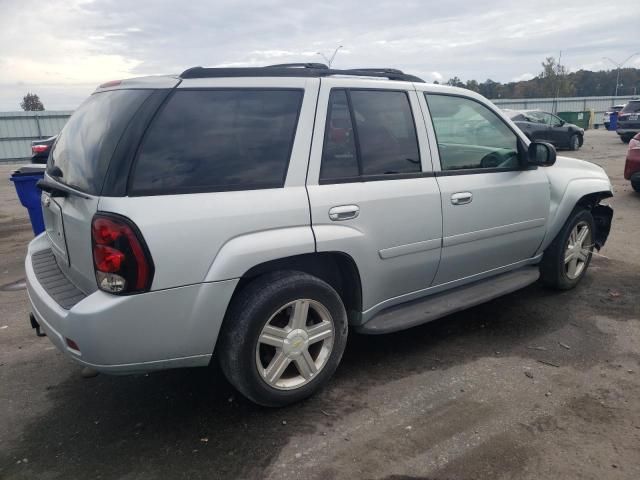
(81, 154)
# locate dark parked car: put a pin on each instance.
(629, 121)
(40, 149)
(632, 165)
(547, 127)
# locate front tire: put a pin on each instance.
(283, 338)
(574, 142)
(566, 260)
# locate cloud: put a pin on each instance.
(82, 43)
(524, 76)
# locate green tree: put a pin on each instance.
(31, 103)
(472, 85)
(554, 79)
(455, 82)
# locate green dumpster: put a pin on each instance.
(581, 119)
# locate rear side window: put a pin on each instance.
(215, 140)
(369, 133)
(86, 144)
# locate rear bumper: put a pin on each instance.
(170, 328)
(628, 130)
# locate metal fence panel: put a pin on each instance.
(18, 129)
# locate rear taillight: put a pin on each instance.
(120, 257)
(39, 148)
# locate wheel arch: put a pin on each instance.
(338, 269)
(578, 195)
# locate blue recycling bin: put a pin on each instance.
(25, 179)
(613, 120)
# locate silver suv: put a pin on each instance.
(255, 215)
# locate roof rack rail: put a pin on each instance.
(299, 65)
(297, 70)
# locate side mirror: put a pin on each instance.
(542, 154)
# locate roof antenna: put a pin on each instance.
(327, 59)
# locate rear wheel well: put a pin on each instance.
(335, 268)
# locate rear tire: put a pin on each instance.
(566, 260)
(636, 186)
(625, 138)
(282, 338)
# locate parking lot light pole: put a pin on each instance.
(619, 66)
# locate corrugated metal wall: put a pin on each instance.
(570, 104)
(18, 129)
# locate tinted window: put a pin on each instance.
(386, 132)
(470, 135)
(339, 157)
(207, 140)
(631, 107)
(87, 142)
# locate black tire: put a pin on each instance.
(625, 138)
(552, 268)
(636, 186)
(574, 142)
(249, 312)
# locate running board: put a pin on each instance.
(439, 305)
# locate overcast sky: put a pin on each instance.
(61, 49)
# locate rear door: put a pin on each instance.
(371, 187)
(494, 208)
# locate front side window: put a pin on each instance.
(470, 135)
(369, 133)
(210, 140)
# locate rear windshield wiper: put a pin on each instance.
(57, 189)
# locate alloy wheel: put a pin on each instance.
(578, 250)
(295, 344)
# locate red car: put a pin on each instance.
(632, 167)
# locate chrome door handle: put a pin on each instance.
(461, 198)
(344, 212)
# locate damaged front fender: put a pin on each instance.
(602, 218)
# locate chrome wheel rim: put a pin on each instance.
(578, 250)
(295, 344)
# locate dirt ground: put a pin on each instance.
(535, 385)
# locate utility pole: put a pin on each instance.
(619, 66)
(555, 103)
(329, 60)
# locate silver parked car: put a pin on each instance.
(255, 215)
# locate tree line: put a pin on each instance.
(555, 80)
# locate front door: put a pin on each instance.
(494, 206)
(371, 187)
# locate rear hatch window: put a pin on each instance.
(631, 107)
(81, 155)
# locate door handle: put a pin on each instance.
(461, 198)
(344, 212)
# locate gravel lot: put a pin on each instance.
(535, 385)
